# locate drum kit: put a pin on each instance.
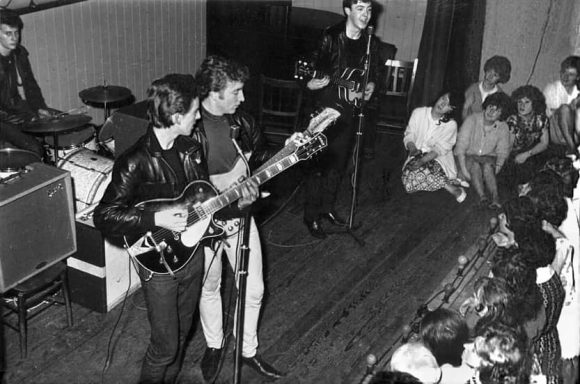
(72, 144)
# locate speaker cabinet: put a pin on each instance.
(125, 126)
(36, 223)
(100, 273)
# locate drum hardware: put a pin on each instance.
(13, 175)
(105, 95)
(14, 162)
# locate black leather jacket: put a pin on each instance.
(34, 99)
(331, 57)
(142, 174)
(250, 137)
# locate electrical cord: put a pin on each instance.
(541, 41)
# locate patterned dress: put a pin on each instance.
(547, 344)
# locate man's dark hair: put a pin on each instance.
(350, 3)
(389, 377)
(571, 62)
(444, 332)
(11, 19)
(215, 72)
(502, 101)
(501, 65)
(173, 93)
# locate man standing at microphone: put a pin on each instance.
(344, 45)
(221, 82)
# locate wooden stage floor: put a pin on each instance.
(329, 303)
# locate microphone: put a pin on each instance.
(370, 32)
(234, 132)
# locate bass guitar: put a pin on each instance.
(348, 84)
(165, 252)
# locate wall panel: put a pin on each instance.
(126, 43)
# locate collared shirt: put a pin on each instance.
(556, 95)
(475, 138)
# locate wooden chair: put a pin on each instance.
(396, 96)
(279, 109)
(35, 295)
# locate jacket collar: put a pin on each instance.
(182, 144)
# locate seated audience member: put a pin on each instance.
(562, 98)
(529, 135)
(520, 227)
(496, 70)
(416, 359)
(483, 147)
(444, 332)
(429, 138)
(390, 377)
(497, 354)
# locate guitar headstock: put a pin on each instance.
(322, 120)
(303, 69)
(309, 147)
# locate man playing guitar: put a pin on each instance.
(221, 83)
(342, 46)
(160, 165)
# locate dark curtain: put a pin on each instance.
(450, 50)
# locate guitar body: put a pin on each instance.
(163, 249)
(353, 94)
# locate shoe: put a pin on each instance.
(315, 229)
(263, 368)
(460, 182)
(462, 195)
(333, 218)
(210, 364)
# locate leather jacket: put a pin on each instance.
(34, 100)
(250, 138)
(330, 57)
(142, 174)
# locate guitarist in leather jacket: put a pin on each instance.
(342, 46)
(160, 165)
(221, 83)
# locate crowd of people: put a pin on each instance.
(481, 137)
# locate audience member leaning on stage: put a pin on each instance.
(562, 100)
(496, 70)
(160, 165)
(483, 147)
(20, 96)
(342, 46)
(430, 136)
(444, 331)
(529, 134)
(221, 82)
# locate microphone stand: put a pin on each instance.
(359, 133)
(242, 272)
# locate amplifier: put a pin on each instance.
(125, 126)
(36, 223)
(100, 273)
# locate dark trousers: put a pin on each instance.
(171, 304)
(326, 171)
(12, 134)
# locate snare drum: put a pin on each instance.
(91, 174)
(69, 142)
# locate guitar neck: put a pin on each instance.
(336, 80)
(218, 202)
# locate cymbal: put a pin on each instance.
(56, 124)
(15, 159)
(104, 94)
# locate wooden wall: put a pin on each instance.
(400, 22)
(127, 43)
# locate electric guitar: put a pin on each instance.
(165, 252)
(348, 84)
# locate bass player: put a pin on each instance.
(160, 165)
(342, 47)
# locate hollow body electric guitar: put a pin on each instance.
(348, 84)
(162, 251)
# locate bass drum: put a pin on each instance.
(91, 174)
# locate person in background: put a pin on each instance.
(562, 101)
(496, 70)
(21, 99)
(444, 331)
(416, 359)
(430, 136)
(483, 146)
(529, 136)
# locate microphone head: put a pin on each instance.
(371, 30)
(234, 132)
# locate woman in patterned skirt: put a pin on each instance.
(429, 138)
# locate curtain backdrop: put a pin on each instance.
(450, 49)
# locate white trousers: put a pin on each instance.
(210, 305)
